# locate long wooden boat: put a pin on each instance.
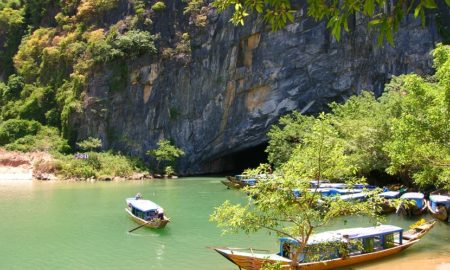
(146, 213)
(378, 242)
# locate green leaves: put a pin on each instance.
(166, 152)
(404, 132)
(383, 16)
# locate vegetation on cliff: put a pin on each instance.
(385, 16)
(49, 51)
(404, 132)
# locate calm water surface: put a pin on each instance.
(57, 225)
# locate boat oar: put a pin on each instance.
(132, 230)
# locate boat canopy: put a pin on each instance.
(353, 233)
(439, 199)
(412, 195)
(355, 196)
(143, 205)
(416, 196)
(333, 185)
(390, 194)
(250, 182)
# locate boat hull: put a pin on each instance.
(153, 224)
(232, 184)
(252, 261)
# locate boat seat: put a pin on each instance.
(408, 236)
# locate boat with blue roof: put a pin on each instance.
(439, 205)
(415, 204)
(146, 213)
(242, 180)
(332, 249)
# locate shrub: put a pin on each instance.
(96, 165)
(14, 129)
(90, 144)
(91, 9)
(47, 139)
(134, 43)
(158, 6)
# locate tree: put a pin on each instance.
(273, 205)
(404, 132)
(419, 144)
(166, 152)
(90, 144)
(383, 15)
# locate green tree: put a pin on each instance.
(383, 15)
(90, 144)
(364, 124)
(166, 152)
(419, 144)
(286, 135)
(273, 205)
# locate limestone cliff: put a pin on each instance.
(223, 96)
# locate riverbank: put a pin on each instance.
(92, 166)
(16, 165)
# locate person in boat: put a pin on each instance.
(160, 213)
(345, 246)
(441, 211)
(286, 250)
(138, 196)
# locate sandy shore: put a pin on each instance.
(15, 173)
(19, 166)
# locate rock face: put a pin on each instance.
(237, 81)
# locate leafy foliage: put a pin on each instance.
(274, 206)
(90, 144)
(97, 165)
(159, 6)
(14, 129)
(383, 15)
(404, 132)
(419, 146)
(166, 152)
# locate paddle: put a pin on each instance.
(132, 230)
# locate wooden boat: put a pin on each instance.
(437, 200)
(147, 213)
(239, 181)
(377, 242)
(418, 207)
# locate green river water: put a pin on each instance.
(60, 225)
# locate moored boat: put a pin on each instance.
(374, 243)
(146, 213)
(416, 206)
(439, 205)
(239, 181)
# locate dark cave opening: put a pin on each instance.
(251, 157)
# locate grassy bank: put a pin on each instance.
(22, 139)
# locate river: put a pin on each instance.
(80, 225)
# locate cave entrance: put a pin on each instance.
(244, 159)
